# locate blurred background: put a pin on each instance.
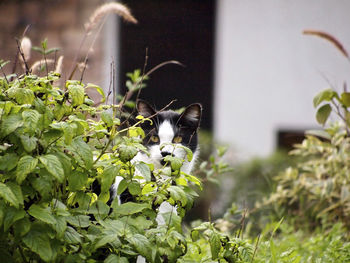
(247, 62)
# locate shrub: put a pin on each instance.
(317, 190)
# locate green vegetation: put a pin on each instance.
(55, 143)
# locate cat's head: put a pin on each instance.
(169, 129)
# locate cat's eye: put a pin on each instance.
(177, 139)
(154, 138)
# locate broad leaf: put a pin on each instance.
(323, 113)
(41, 213)
(130, 208)
(53, 166)
(7, 194)
(25, 166)
(39, 242)
(10, 124)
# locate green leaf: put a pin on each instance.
(134, 188)
(77, 94)
(17, 191)
(108, 177)
(10, 124)
(323, 113)
(122, 186)
(144, 170)
(175, 162)
(24, 96)
(29, 143)
(107, 118)
(7, 194)
(177, 194)
(31, 118)
(105, 240)
(99, 90)
(126, 152)
(8, 161)
(25, 166)
(77, 181)
(215, 245)
(41, 213)
(22, 226)
(79, 220)
(53, 166)
(325, 95)
(39, 242)
(12, 215)
(345, 99)
(130, 208)
(142, 245)
(149, 188)
(72, 236)
(83, 152)
(112, 258)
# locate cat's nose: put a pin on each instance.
(165, 153)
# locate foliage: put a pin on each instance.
(51, 153)
(291, 245)
(317, 190)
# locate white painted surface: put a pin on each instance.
(267, 72)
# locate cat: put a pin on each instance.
(167, 129)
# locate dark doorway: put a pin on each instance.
(180, 30)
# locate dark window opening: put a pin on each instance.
(180, 30)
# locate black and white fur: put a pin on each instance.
(166, 125)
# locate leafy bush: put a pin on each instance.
(317, 190)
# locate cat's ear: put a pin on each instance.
(191, 115)
(144, 109)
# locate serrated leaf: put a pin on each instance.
(175, 162)
(177, 194)
(11, 216)
(149, 188)
(17, 191)
(142, 245)
(130, 208)
(41, 213)
(8, 161)
(108, 177)
(126, 152)
(77, 94)
(22, 226)
(115, 259)
(134, 188)
(29, 143)
(39, 243)
(25, 166)
(323, 113)
(24, 96)
(144, 170)
(7, 194)
(53, 166)
(77, 181)
(83, 152)
(31, 118)
(79, 220)
(106, 117)
(72, 236)
(215, 245)
(10, 124)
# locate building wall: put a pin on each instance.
(267, 71)
(62, 23)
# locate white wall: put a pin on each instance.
(267, 72)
